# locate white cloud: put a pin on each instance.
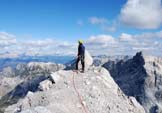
(126, 37)
(101, 39)
(47, 47)
(143, 48)
(143, 14)
(39, 43)
(97, 20)
(101, 44)
(7, 39)
(11, 47)
(125, 44)
(103, 24)
(109, 28)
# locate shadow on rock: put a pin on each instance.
(129, 75)
(20, 91)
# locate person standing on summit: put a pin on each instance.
(81, 55)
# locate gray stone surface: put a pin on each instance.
(99, 93)
(88, 62)
(38, 109)
(140, 77)
(15, 83)
(45, 85)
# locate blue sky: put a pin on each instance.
(55, 18)
(38, 21)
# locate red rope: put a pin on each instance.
(79, 97)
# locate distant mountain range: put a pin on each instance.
(12, 62)
(23, 59)
(39, 87)
(138, 76)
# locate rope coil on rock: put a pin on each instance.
(79, 97)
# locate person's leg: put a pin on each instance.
(77, 63)
(83, 63)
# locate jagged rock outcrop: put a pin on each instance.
(140, 77)
(34, 68)
(26, 78)
(45, 85)
(20, 91)
(8, 83)
(31, 69)
(10, 77)
(7, 72)
(44, 66)
(98, 93)
(88, 62)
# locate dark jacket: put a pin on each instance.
(81, 50)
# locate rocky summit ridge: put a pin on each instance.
(68, 91)
(73, 92)
(140, 77)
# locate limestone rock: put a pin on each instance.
(97, 90)
(8, 72)
(25, 77)
(88, 62)
(45, 85)
(140, 77)
(54, 77)
(38, 109)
